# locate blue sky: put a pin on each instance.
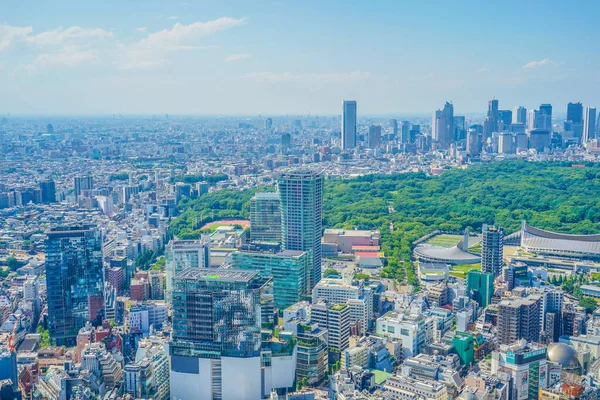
(295, 57)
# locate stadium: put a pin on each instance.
(539, 241)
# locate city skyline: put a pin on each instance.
(204, 59)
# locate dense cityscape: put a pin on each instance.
(251, 258)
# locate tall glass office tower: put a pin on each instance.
(349, 124)
(216, 347)
(301, 218)
(288, 269)
(74, 280)
(265, 217)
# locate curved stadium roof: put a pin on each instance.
(545, 242)
(447, 255)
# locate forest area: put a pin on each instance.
(556, 196)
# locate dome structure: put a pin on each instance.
(562, 354)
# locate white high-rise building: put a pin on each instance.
(348, 124)
(589, 124)
(519, 115)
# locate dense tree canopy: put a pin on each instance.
(404, 207)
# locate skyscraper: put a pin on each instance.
(301, 218)
(443, 126)
(374, 136)
(348, 124)
(589, 124)
(545, 116)
(491, 249)
(574, 112)
(394, 127)
(183, 254)
(405, 132)
(74, 280)
(520, 115)
(82, 183)
(265, 217)
(48, 189)
(216, 346)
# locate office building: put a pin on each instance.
(492, 249)
(288, 269)
(337, 291)
(589, 124)
(83, 183)
(519, 318)
(216, 346)
(301, 218)
(443, 126)
(336, 319)
(268, 124)
(574, 112)
(394, 127)
(265, 217)
(480, 287)
(8, 366)
(539, 139)
(183, 254)
(405, 132)
(374, 136)
(545, 115)
(524, 366)
(504, 119)
(348, 124)
(473, 142)
(202, 188)
(519, 115)
(48, 189)
(74, 280)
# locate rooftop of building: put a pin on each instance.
(351, 232)
(267, 196)
(222, 274)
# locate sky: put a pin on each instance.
(397, 57)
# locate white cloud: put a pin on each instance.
(310, 78)
(237, 57)
(480, 70)
(8, 34)
(152, 51)
(69, 57)
(541, 63)
(173, 17)
(141, 29)
(61, 36)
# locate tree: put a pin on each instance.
(330, 271)
(12, 263)
(44, 337)
(589, 304)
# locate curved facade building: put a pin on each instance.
(539, 241)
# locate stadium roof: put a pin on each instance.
(447, 255)
(545, 242)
